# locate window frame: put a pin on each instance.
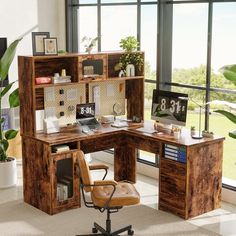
(164, 43)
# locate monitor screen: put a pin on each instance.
(3, 48)
(86, 110)
(169, 107)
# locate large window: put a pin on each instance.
(117, 23)
(224, 53)
(203, 42)
(185, 45)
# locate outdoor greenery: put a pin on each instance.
(197, 76)
(193, 76)
(230, 74)
(5, 63)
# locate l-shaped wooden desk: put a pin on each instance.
(186, 188)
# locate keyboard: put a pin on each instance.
(91, 123)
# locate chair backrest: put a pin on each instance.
(84, 171)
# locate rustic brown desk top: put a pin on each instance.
(74, 133)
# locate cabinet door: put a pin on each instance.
(65, 182)
(172, 193)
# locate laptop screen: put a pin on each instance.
(86, 110)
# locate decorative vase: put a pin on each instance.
(8, 173)
(130, 70)
(88, 50)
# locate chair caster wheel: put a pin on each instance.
(130, 232)
(94, 230)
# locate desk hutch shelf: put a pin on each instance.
(187, 188)
(41, 166)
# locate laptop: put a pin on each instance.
(85, 116)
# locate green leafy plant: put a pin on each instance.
(229, 72)
(89, 43)
(5, 63)
(130, 45)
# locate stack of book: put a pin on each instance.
(61, 79)
(60, 148)
(64, 188)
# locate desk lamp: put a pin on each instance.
(199, 135)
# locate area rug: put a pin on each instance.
(20, 219)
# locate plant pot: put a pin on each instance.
(8, 173)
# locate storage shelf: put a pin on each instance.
(89, 81)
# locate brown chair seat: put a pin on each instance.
(124, 195)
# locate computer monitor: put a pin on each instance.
(86, 110)
(169, 107)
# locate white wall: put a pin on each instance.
(21, 17)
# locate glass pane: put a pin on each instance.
(189, 43)
(223, 42)
(117, 23)
(220, 125)
(117, 1)
(87, 25)
(87, 1)
(148, 89)
(149, 39)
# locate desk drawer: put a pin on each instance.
(173, 168)
(101, 143)
(172, 191)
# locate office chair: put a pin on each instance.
(105, 195)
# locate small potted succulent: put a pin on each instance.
(193, 130)
(8, 169)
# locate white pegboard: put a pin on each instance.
(72, 95)
(106, 95)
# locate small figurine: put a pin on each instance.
(121, 73)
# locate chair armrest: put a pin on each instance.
(98, 167)
(105, 182)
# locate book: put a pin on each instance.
(60, 148)
(68, 181)
(62, 192)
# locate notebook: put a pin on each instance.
(85, 115)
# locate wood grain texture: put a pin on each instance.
(39, 174)
(36, 174)
(135, 96)
(204, 178)
(46, 67)
(27, 96)
(100, 56)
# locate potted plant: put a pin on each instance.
(229, 72)
(89, 43)
(8, 169)
(130, 57)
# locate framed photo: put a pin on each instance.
(50, 46)
(37, 42)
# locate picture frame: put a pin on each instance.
(50, 46)
(38, 43)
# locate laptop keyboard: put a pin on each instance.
(91, 123)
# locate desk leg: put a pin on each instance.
(125, 163)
